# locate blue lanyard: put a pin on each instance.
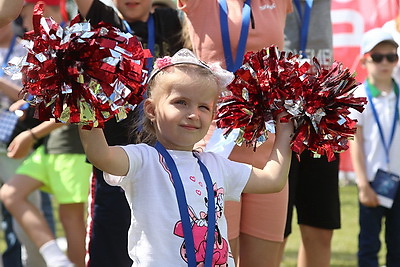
(234, 64)
(386, 145)
(183, 209)
(8, 55)
(151, 38)
(305, 22)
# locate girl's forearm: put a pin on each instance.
(281, 155)
(9, 10)
(110, 159)
(273, 177)
(94, 143)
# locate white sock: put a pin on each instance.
(53, 255)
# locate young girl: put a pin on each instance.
(171, 188)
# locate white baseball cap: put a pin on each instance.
(374, 37)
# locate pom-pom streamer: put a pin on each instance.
(317, 100)
(82, 74)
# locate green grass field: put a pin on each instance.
(344, 245)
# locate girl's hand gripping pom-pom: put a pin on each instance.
(317, 100)
(253, 99)
(81, 74)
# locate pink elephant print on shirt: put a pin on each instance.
(199, 229)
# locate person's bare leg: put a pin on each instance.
(14, 195)
(257, 252)
(33, 256)
(281, 253)
(73, 221)
(315, 248)
(234, 244)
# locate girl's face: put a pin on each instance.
(378, 66)
(134, 10)
(182, 114)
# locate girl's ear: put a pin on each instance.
(149, 109)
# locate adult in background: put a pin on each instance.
(109, 213)
(256, 224)
(11, 124)
(313, 181)
(58, 167)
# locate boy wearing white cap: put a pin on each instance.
(376, 149)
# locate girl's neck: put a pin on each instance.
(385, 85)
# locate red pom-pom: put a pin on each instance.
(82, 74)
(317, 100)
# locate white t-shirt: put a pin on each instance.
(374, 151)
(155, 234)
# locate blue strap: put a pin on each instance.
(127, 26)
(386, 145)
(231, 63)
(151, 38)
(8, 55)
(305, 23)
(211, 213)
(183, 209)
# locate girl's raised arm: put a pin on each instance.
(109, 159)
(9, 10)
(274, 176)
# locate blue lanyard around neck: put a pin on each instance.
(386, 145)
(305, 23)
(151, 38)
(234, 64)
(8, 55)
(183, 209)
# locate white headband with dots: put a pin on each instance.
(185, 56)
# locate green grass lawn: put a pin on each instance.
(344, 244)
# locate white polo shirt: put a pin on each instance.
(374, 151)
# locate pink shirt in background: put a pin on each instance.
(204, 28)
(203, 15)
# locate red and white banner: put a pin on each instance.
(350, 19)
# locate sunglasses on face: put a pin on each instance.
(377, 58)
